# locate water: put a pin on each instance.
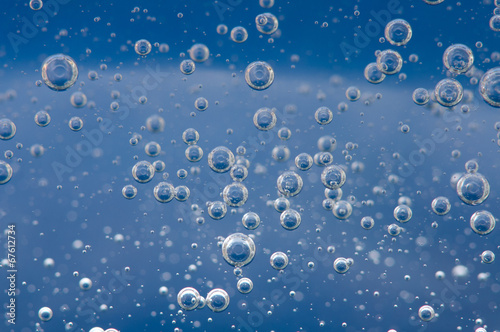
(357, 157)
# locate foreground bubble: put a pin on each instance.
(281, 204)
(220, 159)
(448, 92)
(238, 173)
(190, 136)
(289, 183)
(458, 58)
(42, 118)
(303, 161)
(187, 67)
(5, 172)
(495, 22)
(164, 192)
(333, 177)
(341, 265)
(182, 193)
(239, 34)
(238, 249)
(85, 283)
(201, 104)
(421, 96)
(217, 300)
(217, 210)
(78, 99)
(59, 72)
(393, 230)
(142, 47)
(279, 260)
(402, 213)
(188, 298)
(389, 62)
(473, 188)
(259, 75)
(487, 257)
(323, 115)
(290, 219)
(482, 222)
(45, 314)
(129, 191)
(36, 4)
(143, 171)
(441, 205)
(250, 220)
(266, 23)
(235, 194)
(199, 52)
(489, 87)
(398, 32)
(373, 74)
(193, 153)
(7, 129)
(426, 313)
(342, 209)
(367, 222)
(245, 285)
(264, 119)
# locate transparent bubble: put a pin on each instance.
(398, 32)
(352, 93)
(433, 2)
(142, 47)
(284, 134)
(85, 283)
(42, 119)
(239, 34)
(402, 213)
(473, 188)
(341, 265)
(441, 205)
(222, 29)
(188, 298)
(303, 161)
(259, 75)
(201, 104)
(367, 222)
(199, 52)
(489, 87)
(487, 257)
(426, 313)
(289, 183)
(333, 177)
(266, 3)
(323, 158)
(5, 172)
(482, 222)
(45, 314)
(393, 229)
(143, 172)
(389, 62)
(75, 123)
(266, 23)
(279, 260)
(164, 192)
(217, 210)
(220, 159)
(7, 129)
(36, 4)
(281, 204)
(335, 194)
(421, 96)
(217, 300)
(373, 74)
(152, 149)
(264, 119)
(495, 23)
(250, 220)
(190, 136)
(238, 173)
(238, 249)
(164, 48)
(458, 58)
(290, 219)
(59, 72)
(155, 123)
(194, 153)
(245, 285)
(187, 67)
(448, 92)
(182, 193)
(37, 150)
(342, 209)
(327, 143)
(129, 191)
(235, 194)
(78, 99)
(281, 153)
(323, 115)
(471, 166)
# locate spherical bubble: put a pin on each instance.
(129, 191)
(45, 314)
(281, 204)
(194, 153)
(235, 194)
(284, 134)
(259, 75)
(328, 204)
(201, 104)
(266, 3)
(217, 300)
(78, 99)
(190, 136)
(487, 257)
(264, 119)
(433, 2)
(279, 260)
(266, 23)
(159, 166)
(373, 74)
(220, 159)
(398, 32)
(238, 249)
(182, 193)
(187, 67)
(489, 87)
(393, 229)
(473, 188)
(250, 220)
(155, 123)
(245, 285)
(389, 62)
(448, 92)
(238, 173)
(199, 52)
(335, 194)
(142, 47)
(471, 166)
(426, 313)
(280, 153)
(367, 222)
(441, 205)
(482, 222)
(440, 275)
(162, 291)
(217, 210)
(42, 118)
(188, 298)
(36, 4)
(239, 34)
(333, 177)
(323, 158)
(342, 209)
(143, 172)
(152, 149)
(495, 23)
(352, 93)
(75, 123)
(164, 192)
(289, 183)
(48, 263)
(421, 96)
(85, 283)
(458, 58)
(59, 72)
(290, 219)
(323, 115)
(37, 150)
(402, 213)
(222, 29)
(303, 161)
(5, 172)
(327, 143)
(341, 265)
(7, 129)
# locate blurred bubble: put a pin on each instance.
(199, 52)
(489, 87)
